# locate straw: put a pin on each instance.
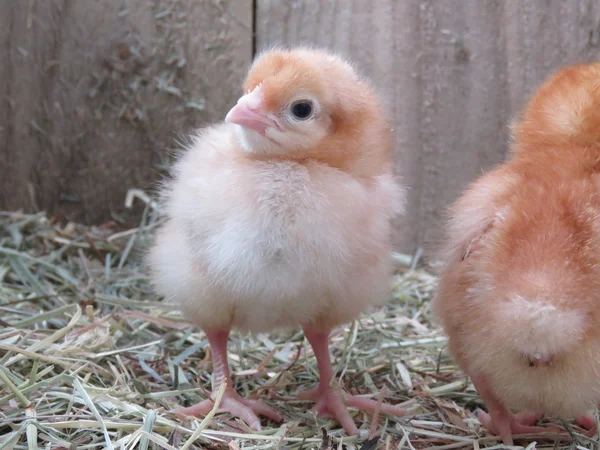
(90, 357)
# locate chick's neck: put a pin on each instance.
(364, 163)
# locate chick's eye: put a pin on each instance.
(302, 110)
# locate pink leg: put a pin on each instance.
(500, 420)
(331, 401)
(231, 401)
(588, 422)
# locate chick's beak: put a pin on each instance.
(246, 114)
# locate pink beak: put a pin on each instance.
(245, 113)
(242, 115)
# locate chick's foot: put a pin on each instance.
(331, 401)
(522, 418)
(500, 420)
(506, 424)
(231, 402)
(588, 422)
(236, 405)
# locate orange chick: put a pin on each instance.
(519, 294)
(281, 216)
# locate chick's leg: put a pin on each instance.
(231, 402)
(331, 401)
(500, 420)
(588, 422)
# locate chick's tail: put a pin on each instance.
(540, 330)
(565, 109)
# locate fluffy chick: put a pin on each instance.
(519, 294)
(281, 216)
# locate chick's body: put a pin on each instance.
(264, 244)
(527, 291)
(281, 216)
(519, 293)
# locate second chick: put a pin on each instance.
(519, 293)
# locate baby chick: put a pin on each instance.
(519, 294)
(281, 216)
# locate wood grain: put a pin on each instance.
(452, 74)
(93, 94)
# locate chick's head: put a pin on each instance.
(300, 100)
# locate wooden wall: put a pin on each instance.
(93, 92)
(453, 74)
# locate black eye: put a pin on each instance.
(302, 110)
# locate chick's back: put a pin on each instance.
(521, 273)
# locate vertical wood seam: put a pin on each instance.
(254, 28)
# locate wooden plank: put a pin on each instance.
(452, 74)
(542, 37)
(95, 92)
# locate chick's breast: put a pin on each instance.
(267, 244)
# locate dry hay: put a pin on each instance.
(90, 358)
